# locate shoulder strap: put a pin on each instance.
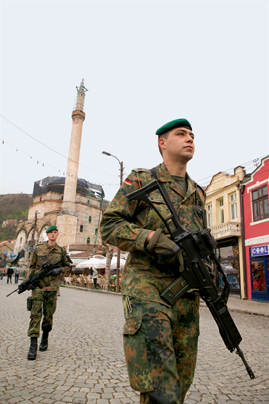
(63, 253)
(164, 192)
(196, 195)
(154, 173)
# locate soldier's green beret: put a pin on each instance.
(51, 228)
(177, 123)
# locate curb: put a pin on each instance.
(92, 290)
(231, 302)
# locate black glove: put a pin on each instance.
(56, 271)
(167, 251)
(212, 273)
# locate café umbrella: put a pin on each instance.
(99, 262)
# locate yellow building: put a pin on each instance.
(224, 220)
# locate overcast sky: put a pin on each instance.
(144, 63)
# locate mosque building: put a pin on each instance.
(74, 205)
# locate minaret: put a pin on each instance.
(67, 219)
(70, 187)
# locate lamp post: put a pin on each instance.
(34, 229)
(32, 243)
(118, 250)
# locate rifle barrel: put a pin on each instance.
(249, 370)
(12, 292)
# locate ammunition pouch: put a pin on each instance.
(29, 303)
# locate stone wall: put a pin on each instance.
(83, 228)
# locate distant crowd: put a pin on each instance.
(9, 271)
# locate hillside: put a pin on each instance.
(13, 206)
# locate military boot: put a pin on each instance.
(33, 349)
(44, 341)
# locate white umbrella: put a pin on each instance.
(114, 263)
(97, 261)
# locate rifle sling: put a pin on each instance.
(179, 286)
(47, 283)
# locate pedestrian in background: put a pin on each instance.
(160, 341)
(10, 271)
(44, 299)
(2, 273)
(94, 277)
(17, 274)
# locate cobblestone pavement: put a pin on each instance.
(85, 362)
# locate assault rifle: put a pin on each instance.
(198, 251)
(34, 280)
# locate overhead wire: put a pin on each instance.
(53, 150)
(224, 172)
(44, 163)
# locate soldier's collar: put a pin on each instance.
(163, 173)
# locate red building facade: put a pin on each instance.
(256, 232)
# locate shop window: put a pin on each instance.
(233, 206)
(260, 205)
(209, 215)
(229, 260)
(258, 280)
(221, 210)
(81, 228)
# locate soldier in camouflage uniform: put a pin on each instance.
(44, 300)
(160, 341)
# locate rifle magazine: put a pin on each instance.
(175, 290)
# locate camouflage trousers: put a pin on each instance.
(160, 345)
(43, 304)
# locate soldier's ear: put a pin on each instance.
(162, 143)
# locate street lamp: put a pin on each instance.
(118, 249)
(34, 229)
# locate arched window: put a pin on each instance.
(90, 219)
(81, 228)
(88, 240)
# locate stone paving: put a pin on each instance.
(85, 362)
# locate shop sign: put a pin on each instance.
(261, 250)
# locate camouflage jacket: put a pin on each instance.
(43, 252)
(126, 224)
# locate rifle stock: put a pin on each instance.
(197, 249)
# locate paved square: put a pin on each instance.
(85, 361)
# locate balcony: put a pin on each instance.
(225, 230)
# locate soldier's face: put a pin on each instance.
(52, 235)
(179, 144)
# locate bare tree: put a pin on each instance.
(109, 255)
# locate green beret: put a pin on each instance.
(177, 123)
(51, 228)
